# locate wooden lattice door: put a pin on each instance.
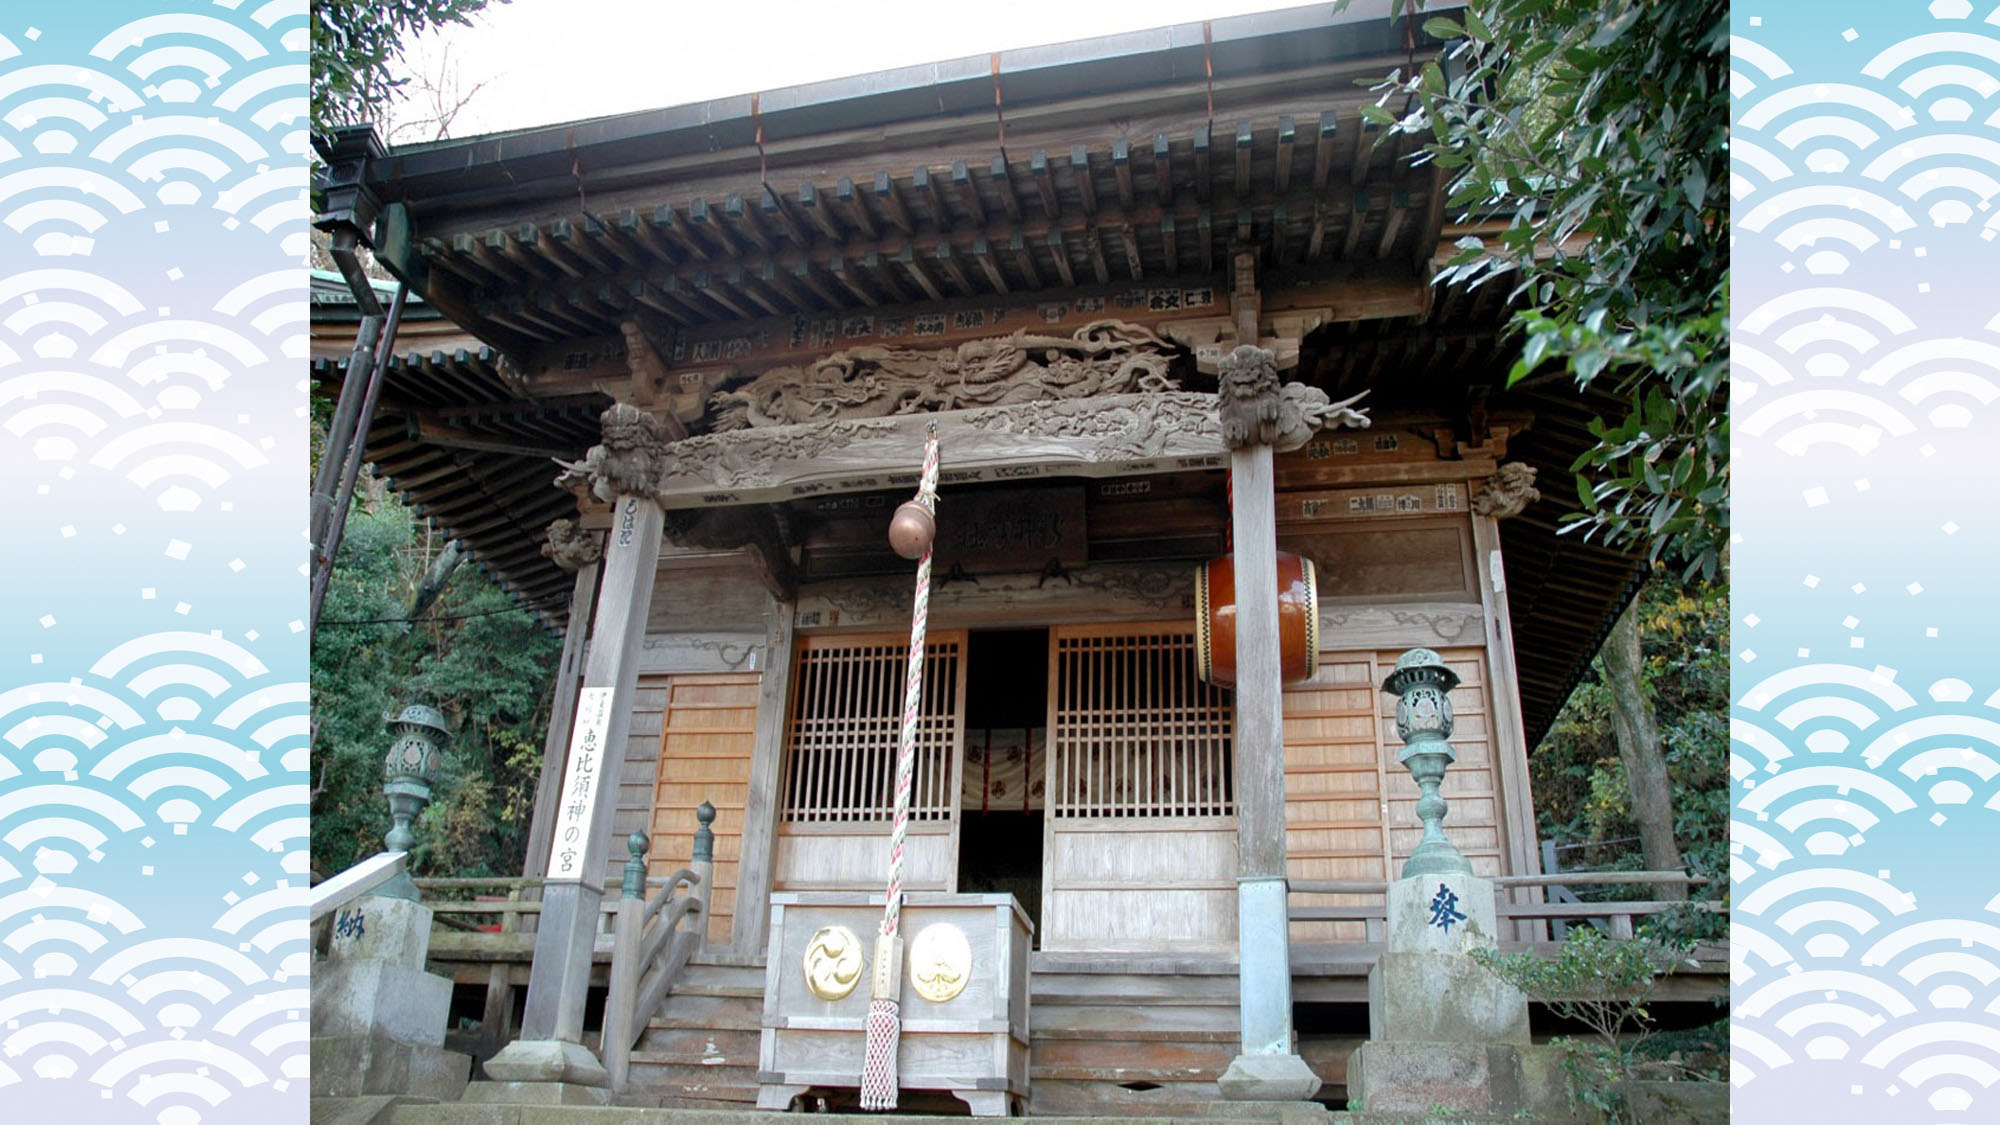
(1141, 826)
(840, 764)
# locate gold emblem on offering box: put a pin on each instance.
(940, 962)
(833, 962)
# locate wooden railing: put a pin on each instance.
(1615, 918)
(650, 946)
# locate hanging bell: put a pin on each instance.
(912, 529)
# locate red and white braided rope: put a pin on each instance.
(913, 690)
(884, 1023)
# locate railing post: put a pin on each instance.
(622, 996)
(704, 869)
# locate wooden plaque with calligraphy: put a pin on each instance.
(1011, 531)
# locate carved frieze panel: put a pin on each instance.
(1105, 357)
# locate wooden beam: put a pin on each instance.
(744, 222)
(776, 213)
(1171, 249)
(816, 210)
(983, 256)
(1080, 178)
(1003, 181)
(623, 245)
(1329, 129)
(669, 223)
(805, 274)
(855, 209)
(968, 192)
(1130, 243)
(929, 187)
(1317, 238)
(703, 222)
(1245, 222)
(563, 234)
(1024, 256)
(907, 258)
(1364, 151)
(1244, 140)
(776, 281)
(489, 251)
(520, 250)
(707, 288)
(872, 264)
(1279, 218)
(554, 252)
(1121, 171)
(1205, 229)
(1163, 170)
(1355, 219)
(760, 814)
(1288, 130)
(745, 284)
(1201, 183)
(1399, 210)
(429, 429)
(838, 267)
(1061, 255)
(1094, 242)
(890, 200)
(1045, 183)
(951, 269)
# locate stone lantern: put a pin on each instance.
(410, 767)
(1422, 684)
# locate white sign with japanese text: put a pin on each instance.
(580, 782)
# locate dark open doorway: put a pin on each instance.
(1006, 745)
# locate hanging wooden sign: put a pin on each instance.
(1012, 531)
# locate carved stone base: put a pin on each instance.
(545, 1060)
(1268, 1078)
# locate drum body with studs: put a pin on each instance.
(1215, 619)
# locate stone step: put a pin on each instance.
(699, 1042)
(685, 1016)
(699, 986)
(730, 1084)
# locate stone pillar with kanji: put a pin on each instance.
(1443, 1031)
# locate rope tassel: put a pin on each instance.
(885, 1027)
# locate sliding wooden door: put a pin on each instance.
(840, 764)
(1141, 825)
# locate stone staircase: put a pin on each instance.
(699, 1051)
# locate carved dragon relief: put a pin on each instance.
(1104, 357)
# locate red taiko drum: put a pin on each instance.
(1215, 619)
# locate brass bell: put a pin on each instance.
(912, 529)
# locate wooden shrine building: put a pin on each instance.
(1052, 254)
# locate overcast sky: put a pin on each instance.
(545, 61)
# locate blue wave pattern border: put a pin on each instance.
(154, 716)
(1866, 719)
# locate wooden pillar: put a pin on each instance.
(1268, 1067)
(1506, 495)
(550, 1047)
(1262, 926)
(572, 549)
(755, 866)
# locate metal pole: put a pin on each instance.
(356, 448)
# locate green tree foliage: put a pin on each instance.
(357, 45)
(1598, 131)
(1603, 985)
(474, 655)
(1581, 794)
